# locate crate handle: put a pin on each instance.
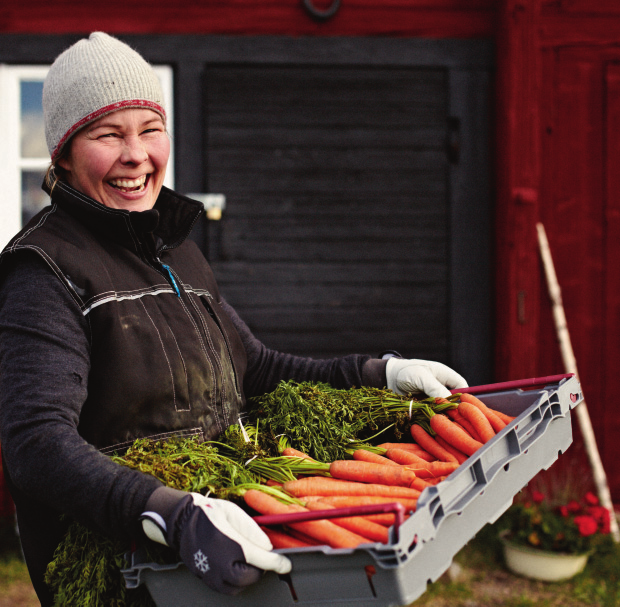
(312, 515)
(533, 382)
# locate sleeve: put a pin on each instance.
(44, 362)
(267, 367)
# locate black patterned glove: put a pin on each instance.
(216, 540)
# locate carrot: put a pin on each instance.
(420, 467)
(454, 435)
(439, 469)
(403, 457)
(309, 498)
(363, 455)
(302, 537)
(420, 483)
(364, 500)
(496, 422)
(264, 503)
(387, 519)
(271, 483)
(279, 539)
(505, 418)
(408, 447)
(427, 442)
(320, 485)
(322, 530)
(478, 420)
(463, 423)
(460, 457)
(437, 480)
(357, 524)
(290, 452)
(367, 472)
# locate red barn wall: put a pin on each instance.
(557, 128)
(428, 18)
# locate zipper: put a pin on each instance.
(173, 282)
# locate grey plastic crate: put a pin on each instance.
(447, 517)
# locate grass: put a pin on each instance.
(483, 579)
(486, 582)
(12, 566)
(15, 587)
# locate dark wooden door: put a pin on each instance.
(334, 237)
(357, 206)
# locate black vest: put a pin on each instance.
(165, 358)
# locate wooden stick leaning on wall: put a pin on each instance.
(570, 366)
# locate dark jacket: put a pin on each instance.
(165, 357)
(112, 328)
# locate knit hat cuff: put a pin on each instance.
(108, 109)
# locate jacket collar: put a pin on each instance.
(170, 221)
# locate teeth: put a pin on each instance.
(128, 183)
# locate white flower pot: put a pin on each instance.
(542, 565)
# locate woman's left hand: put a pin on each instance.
(406, 376)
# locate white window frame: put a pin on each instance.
(11, 162)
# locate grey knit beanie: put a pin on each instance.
(96, 76)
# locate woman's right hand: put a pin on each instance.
(217, 540)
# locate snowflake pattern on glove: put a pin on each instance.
(201, 561)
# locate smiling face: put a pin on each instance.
(120, 160)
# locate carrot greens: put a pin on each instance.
(323, 421)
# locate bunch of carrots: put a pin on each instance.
(387, 473)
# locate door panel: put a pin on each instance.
(335, 234)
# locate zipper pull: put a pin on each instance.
(172, 280)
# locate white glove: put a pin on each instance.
(407, 376)
(218, 542)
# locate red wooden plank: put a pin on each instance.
(611, 319)
(548, 344)
(518, 169)
(563, 29)
(587, 7)
(574, 219)
(445, 18)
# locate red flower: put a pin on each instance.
(538, 497)
(587, 525)
(564, 511)
(573, 506)
(601, 516)
(598, 513)
(591, 499)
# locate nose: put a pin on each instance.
(134, 151)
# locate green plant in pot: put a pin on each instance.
(552, 541)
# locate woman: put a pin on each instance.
(112, 328)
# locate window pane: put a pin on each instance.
(33, 197)
(32, 131)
